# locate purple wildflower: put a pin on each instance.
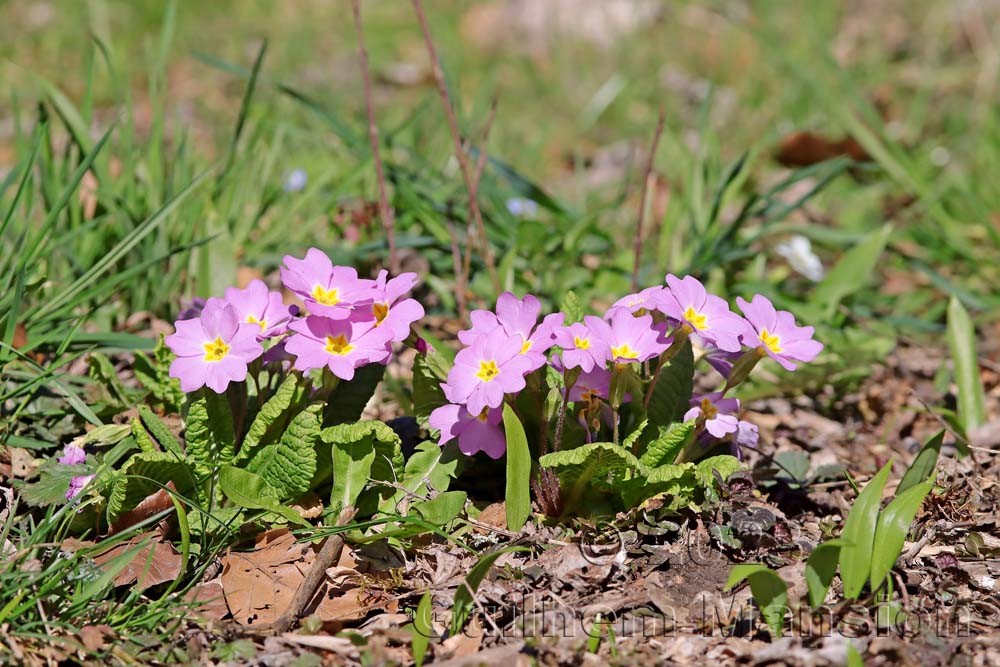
(630, 338)
(328, 290)
(475, 433)
(340, 345)
(76, 485)
(256, 305)
(709, 316)
(192, 310)
(747, 435)
(392, 312)
(775, 333)
(483, 372)
(721, 360)
(718, 413)
(213, 349)
(72, 454)
(591, 386)
(581, 346)
(517, 317)
(640, 302)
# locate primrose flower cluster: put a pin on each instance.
(503, 348)
(347, 322)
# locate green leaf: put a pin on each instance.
(518, 494)
(443, 509)
(962, 341)
(677, 480)
(853, 271)
(356, 447)
(572, 307)
(288, 466)
(820, 568)
(465, 594)
(725, 464)
(427, 392)
(349, 399)
(142, 437)
(668, 444)
(672, 393)
(769, 592)
(168, 442)
(268, 416)
(854, 658)
(858, 535)
(923, 464)
(209, 436)
(430, 467)
(248, 490)
(893, 525)
(52, 484)
(422, 629)
(144, 474)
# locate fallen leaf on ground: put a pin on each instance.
(153, 563)
(212, 598)
(147, 507)
(802, 149)
(94, 637)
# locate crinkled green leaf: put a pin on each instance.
(52, 484)
(571, 307)
(672, 394)
(858, 535)
(724, 463)
(267, 417)
(676, 480)
(668, 444)
(288, 466)
(142, 436)
(209, 436)
(893, 525)
(769, 592)
(154, 425)
(600, 465)
(249, 490)
(349, 399)
(146, 473)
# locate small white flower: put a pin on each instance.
(522, 208)
(295, 180)
(797, 251)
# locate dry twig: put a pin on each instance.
(461, 153)
(643, 204)
(327, 556)
(384, 207)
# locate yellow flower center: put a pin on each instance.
(380, 310)
(526, 346)
(482, 416)
(772, 341)
(327, 297)
(623, 351)
(487, 370)
(708, 409)
(253, 320)
(581, 343)
(338, 345)
(696, 319)
(216, 350)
